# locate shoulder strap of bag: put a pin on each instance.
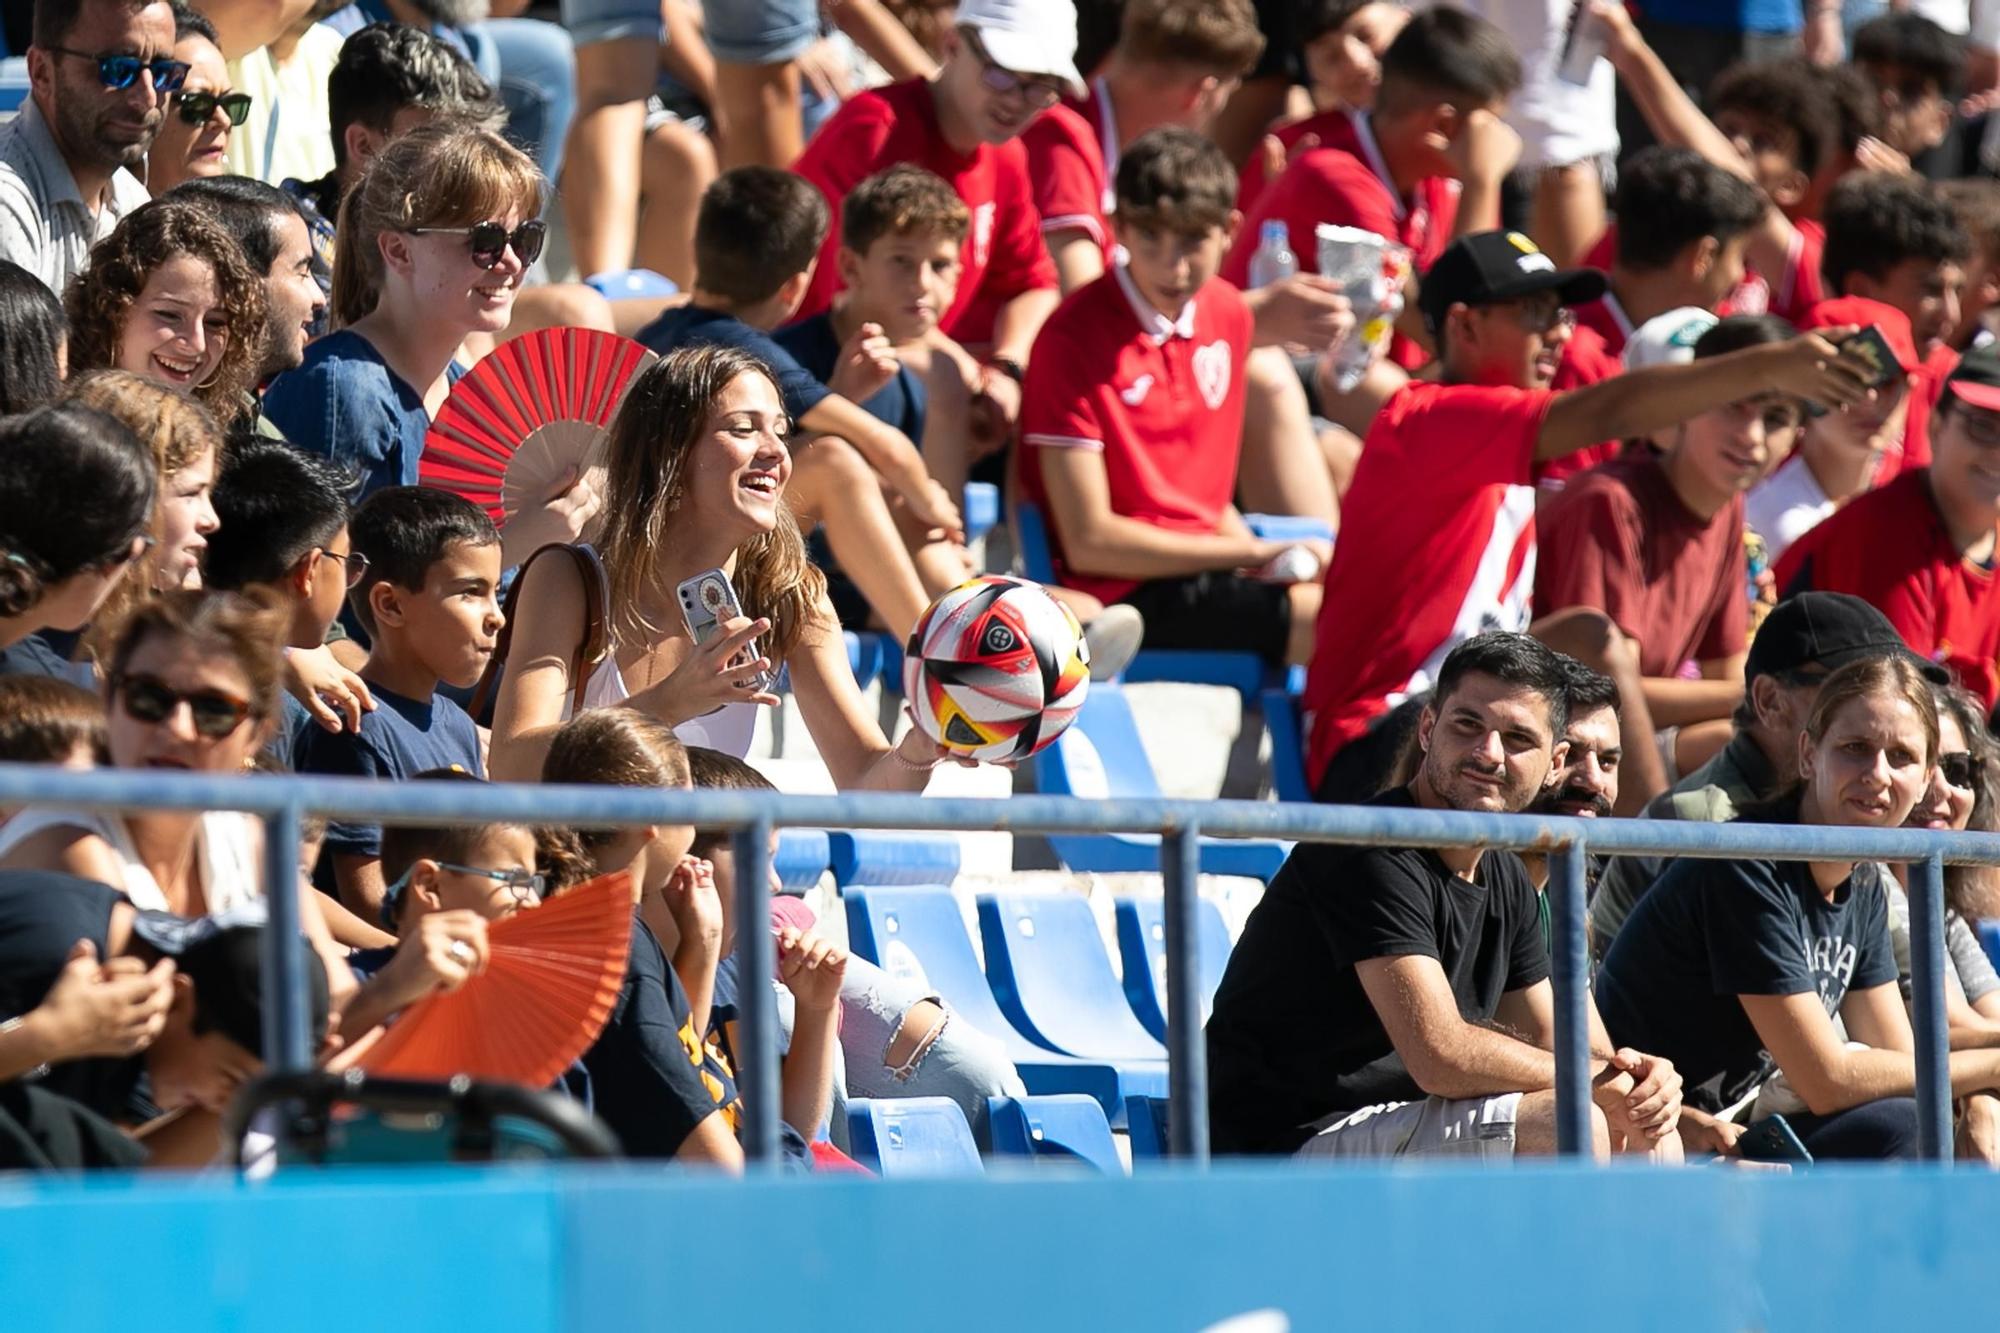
(591, 649)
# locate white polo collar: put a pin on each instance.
(1151, 322)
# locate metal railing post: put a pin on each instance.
(1927, 1008)
(757, 964)
(1187, 1058)
(1569, 964)
(287, 1012)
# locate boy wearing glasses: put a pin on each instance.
(100, 71)
(1921, 549)
(1007, 62)
(429, 600)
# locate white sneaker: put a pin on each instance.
(1114, 638)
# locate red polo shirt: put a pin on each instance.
(1890, 548)
(1003, 254)
(1161, 399)
(1072, 160)
(1586, 359)
(1437, 544)
(1798, 288)
(1345, 182)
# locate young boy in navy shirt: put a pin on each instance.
(756, 241)
(429, 599)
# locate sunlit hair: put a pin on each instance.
(179, 432)
(248, 628)
(444, 174)
(614, 747)
(100, 299)
(664, 418)
(1969, 711)
(1896, 676)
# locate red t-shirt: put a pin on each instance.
(1891, 549)
(1072, 156)
(1003, 254)
(1606, 318)
(1927, 388)
(1345, 182)
(1332, 129)
(1437, 544)
(1585, 360)
(1798, 288)
(1620, 541)
(1161, 399)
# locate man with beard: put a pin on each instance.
(1586, 781)
(99, 73)
(1395, 1001)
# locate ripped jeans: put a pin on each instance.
(959, 1061)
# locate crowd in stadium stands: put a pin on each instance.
(1648, 458)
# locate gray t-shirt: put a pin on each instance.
(1968, 972)
(46, 226)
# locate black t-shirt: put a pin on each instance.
(41, 917)
(1294, 1039)
(646, 1075)
(1709, 931)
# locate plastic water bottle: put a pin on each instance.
(1274, 260)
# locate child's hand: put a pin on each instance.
(931, 505)
(867, 362)
(694, 902)
(335, 696)
(446, 950)
(1621, 35)
(1486, 148)
(110, 1009)
(811, 968)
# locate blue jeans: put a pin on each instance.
(1878, 1131)
(532, 65)
(760, 32)
(961, 1062)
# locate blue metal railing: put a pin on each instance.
(283, 802)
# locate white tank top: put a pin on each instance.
(729, 729)
(225, 859)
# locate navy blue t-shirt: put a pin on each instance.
(693, 326)
(47, 654)
(401, 738)
(899, 403)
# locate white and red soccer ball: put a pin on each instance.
(996, 669)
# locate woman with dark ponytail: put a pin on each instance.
(76, 507)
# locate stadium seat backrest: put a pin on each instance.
(1146, 1127)
(1142, 952)
(802, 858)
(912, 1136)
(919, 934)
(1031, 543)
(1060, 1129)
(1052, 977)
(874, 856)
(1101, 755)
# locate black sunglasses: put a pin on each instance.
(195, 108)
(1961, 769)
(489, 240)
(120, 72)
(152, 701)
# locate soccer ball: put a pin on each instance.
(996, 669)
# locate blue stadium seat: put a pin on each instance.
(1142, 952)
(1101, 756)
(1289, 527)
(1285, 724)
(1989, 935)
(1146, 1128)
(13, 85)
(1060, 1129)
(1243, 672)
(883, 857)
(912, 1136)
(802, 858)
(919, 933)
(864, 656)
(1052, 978)
(981, 509)
(631, 284)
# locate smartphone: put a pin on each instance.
(1772, 1140)
(1872, 349)
(1583, 43)
(708, 602)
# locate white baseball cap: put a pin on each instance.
(1027, 36)
(1669, 339)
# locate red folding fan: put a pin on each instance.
(551, 979)
(536, 407)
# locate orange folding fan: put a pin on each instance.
(552, 976)
(534, 408)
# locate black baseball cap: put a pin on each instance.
(1490, 266)
(1827, 629)
(1976, 380)
(223, 956)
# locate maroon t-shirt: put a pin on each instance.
(1618, 539)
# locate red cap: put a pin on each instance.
(1860, 312)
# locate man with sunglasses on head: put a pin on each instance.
(1007, 62)
(100, 72)
(1802, 641)
(1437, 540)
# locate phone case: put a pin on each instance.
(708, 602)
(1772, 1140)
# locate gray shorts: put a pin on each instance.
(1477, 1127)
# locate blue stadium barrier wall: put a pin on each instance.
(582, 1250)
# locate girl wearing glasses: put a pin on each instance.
(432, 246)
(194, 134)
(60, 561)
(168, 295)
